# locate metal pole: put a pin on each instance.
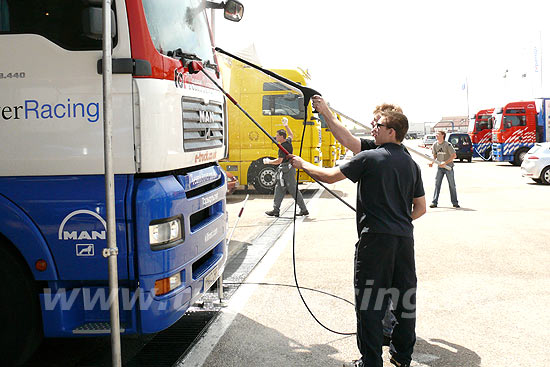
(467, 98)
(111, 252)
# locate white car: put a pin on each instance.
(429, 140)
(536, 163)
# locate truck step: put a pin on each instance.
(95, 328)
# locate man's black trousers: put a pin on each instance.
(384, 267)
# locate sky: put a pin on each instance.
(433, 58)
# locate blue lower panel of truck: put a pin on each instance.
(504, 152)
(68, 214)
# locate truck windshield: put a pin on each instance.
(484, 122)
(180, 24)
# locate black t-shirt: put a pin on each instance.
(388, 179)
(367, 144)
(287, 144)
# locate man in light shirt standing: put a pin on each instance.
(444, 152)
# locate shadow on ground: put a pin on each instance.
(441, 353)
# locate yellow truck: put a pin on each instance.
(267, 101)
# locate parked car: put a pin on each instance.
(429, 140)
(536, 163)
(462, 144)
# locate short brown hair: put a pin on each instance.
(282, 132)
(442, 132)
(398, 122)
(387, 107)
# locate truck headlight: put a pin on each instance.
(165, 233)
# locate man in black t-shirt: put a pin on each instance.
(286, 174)
(356, 145)
(390, 195)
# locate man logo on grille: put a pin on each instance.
(206, 116)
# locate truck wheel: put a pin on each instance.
(545, 176)
(470, 159)
(262, 176)
(19, 310)
(518, 157)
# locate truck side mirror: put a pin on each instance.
(233, 10)
(92, 23)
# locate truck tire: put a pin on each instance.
(518, 157)
(262, 176)
(20, 315)
(545, 176)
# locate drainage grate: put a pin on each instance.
(168, 346)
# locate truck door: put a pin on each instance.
(55, 129)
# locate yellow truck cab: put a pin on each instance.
(267, 101)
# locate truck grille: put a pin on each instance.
(202, 124)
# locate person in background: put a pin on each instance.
(444, 152)
(286, 174)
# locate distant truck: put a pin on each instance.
(267, 101)
(480, 130)
(518, 126)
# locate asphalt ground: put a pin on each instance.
(483, 280)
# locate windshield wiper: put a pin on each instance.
(184, 57)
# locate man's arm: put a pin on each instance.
(453, 157)
(419, 207)
(338, 130)
(327, 175)
(288, 131)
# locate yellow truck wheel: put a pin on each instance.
(262, 176)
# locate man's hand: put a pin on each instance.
(296, 161)
(320, 105)
(284, 120)
(442, 165)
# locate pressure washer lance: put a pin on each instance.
(195, 67)
(221, 302)
(431, 159)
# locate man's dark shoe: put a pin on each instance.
(399, 364)
(356, 363)
(387, 341)
(272, 213)
(456, 206)
(303, 212)
(433, 206)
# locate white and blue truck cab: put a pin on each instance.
(169, 131)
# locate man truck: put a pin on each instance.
(481, 133)
(518, 126)
(169, 131)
